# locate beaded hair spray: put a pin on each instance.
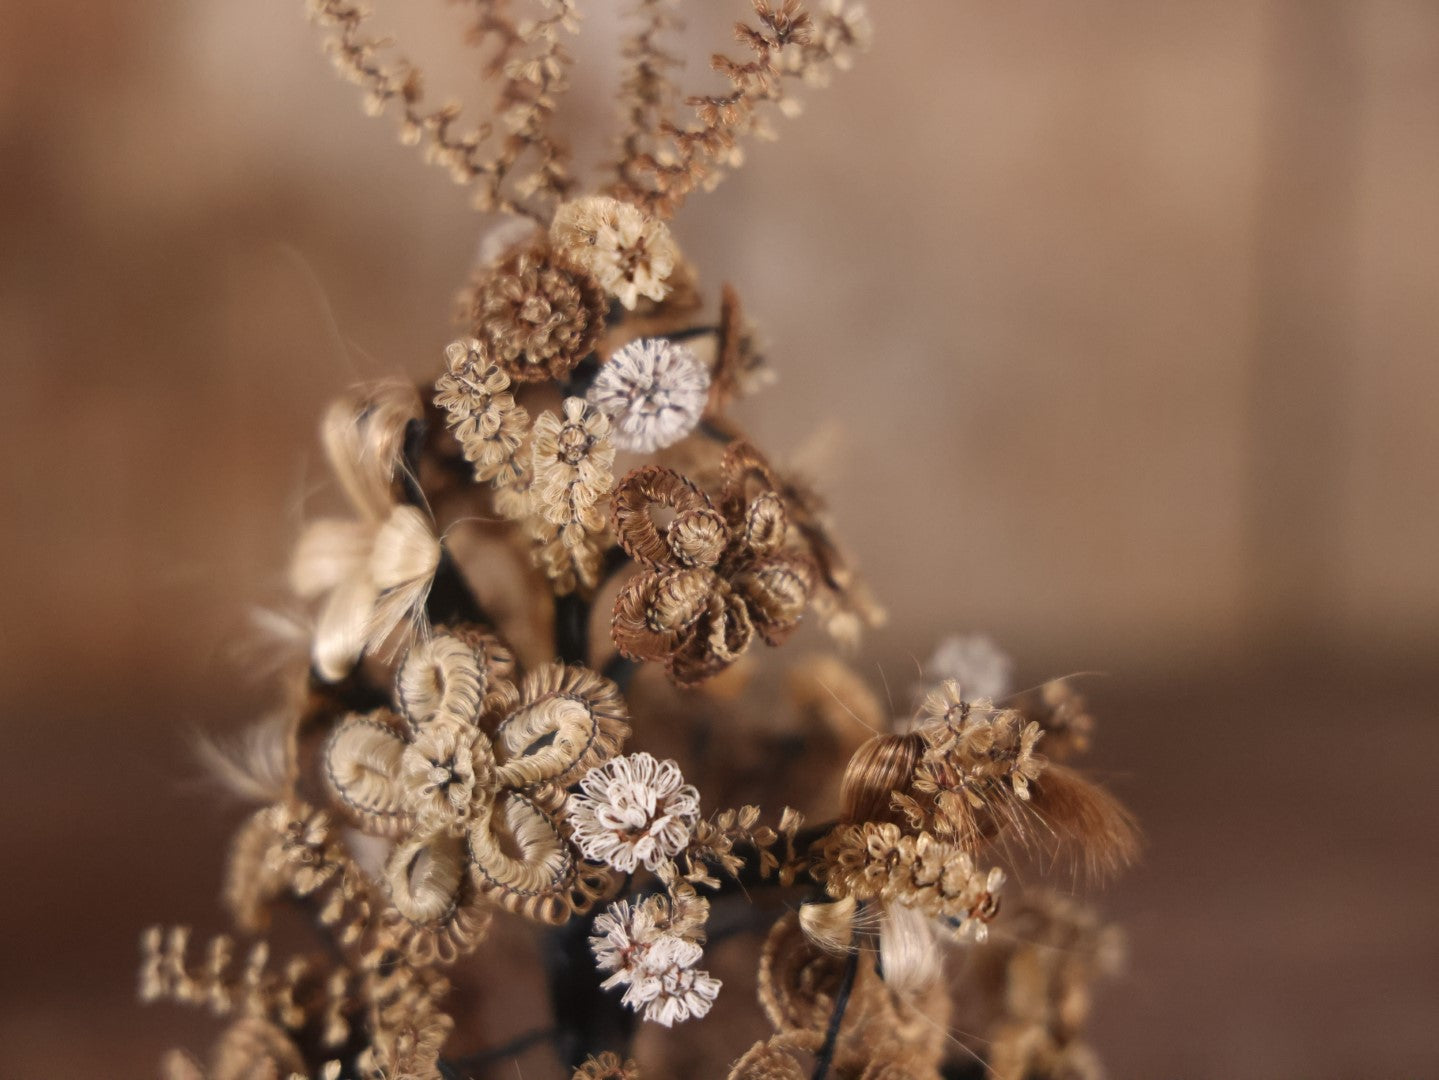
(558, 563)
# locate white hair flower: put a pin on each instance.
(634, 810)
(683, 993)
(654, 390)
(653, 960)
(981, 667)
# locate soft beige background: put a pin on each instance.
(1120, 317)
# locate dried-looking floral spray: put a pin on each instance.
(473, 739)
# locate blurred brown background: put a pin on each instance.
(1124, 316)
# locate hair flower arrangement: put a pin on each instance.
(477, 813)
(402, 804)
(651, 949)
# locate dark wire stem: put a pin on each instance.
(714, 433)
(690, 332)
(572, 623)
(413, 450)
(572, 628)
(615, 561)
(581, 376)
(841, 1002)
(352, 693)
(749, 874)
(588, 1020)
(620, 670)
(450, 599)
(356, 1040)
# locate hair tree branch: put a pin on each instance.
(514, 162)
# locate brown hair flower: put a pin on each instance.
(539, 315)
(714, 576)
(968, 773)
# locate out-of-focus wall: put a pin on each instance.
(1120, 312)
(1118, 318)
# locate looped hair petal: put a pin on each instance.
(643, 540)
(497, 660)
(730, 626)
(777, 591)
(747, 477)
(654, 612)
(766, 525)
(424, 875)
(441, 678)
(523, 862)
(798, 982)
(568, 720)
(720, 638)
(439, 915)
(361, 764)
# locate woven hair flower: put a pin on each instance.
(972, 743)
(655, 390)
(632, 811)
(477, 815)
(975, 768)
(538, 314)
(482, 414)
(714, 576)
(370, 572)
(650, 949)
(607, 1066)
(877, 861)
(572, 459)
(628, 252)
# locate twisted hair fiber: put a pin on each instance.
(363, 434)
(878, 769)
(1082, 817)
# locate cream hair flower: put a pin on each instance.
(629, 253)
